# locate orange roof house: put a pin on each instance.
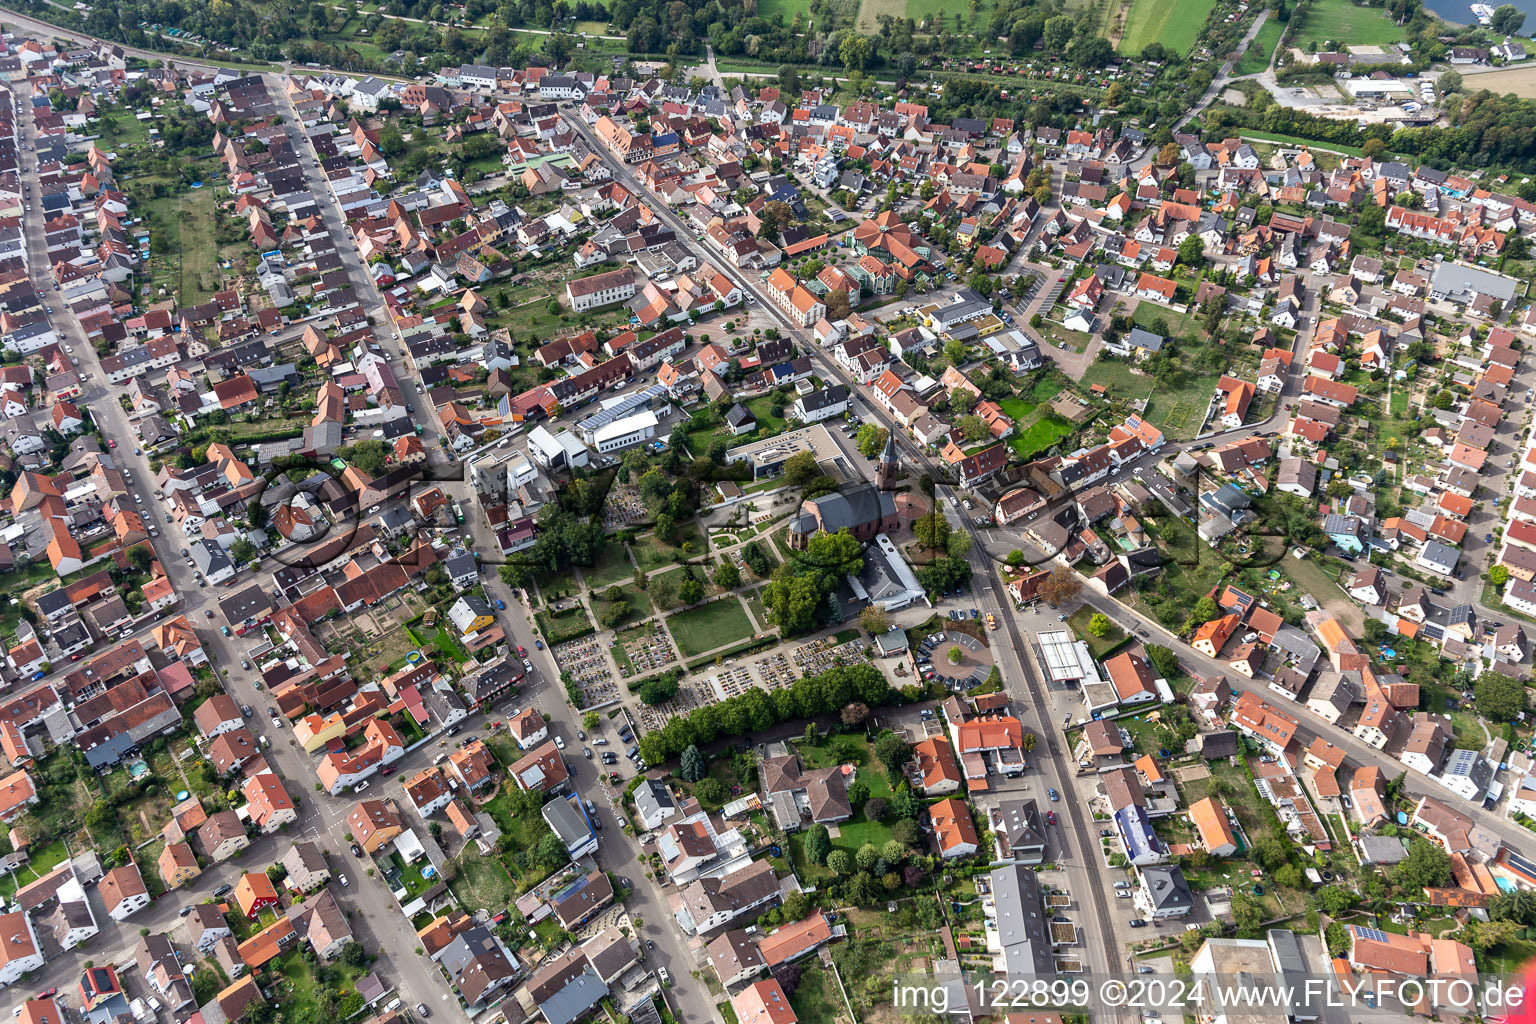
(1210, 821)
(953, 829)
(937, 765)
(1211, 637)
(794, 940)
(255, 892)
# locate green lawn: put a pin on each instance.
(787, 9)
(1040, 436)
(1100, 646)
(483, 881)
(1256, 57)
(44, 859)
(189, 269)
(567, 625)
(613, 566)
(653, 554)
(1119, 379)
(1015, 408)
(709, 626)
(816, 998)
(1346, 24)
(639, 604)
(450, 647)
(1174, 23)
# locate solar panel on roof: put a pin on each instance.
(1371, 934)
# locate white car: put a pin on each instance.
(560, 742)
(343, 880)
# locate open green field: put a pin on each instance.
(787, 9)
(709, 626)
(1174, 23)
(190, 270)
(613, 566)
(1039, 436)
(1344, 23)
(1256, 57)
(1015, 408)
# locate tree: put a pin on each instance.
(1498, 575)
(931, 530)
(958, 545)
(973, 427)
(818, 844)
(551, 851)
(1099, 624)
(1506, 20)
(893, 753)
(1272, 852)
(1164, 660)
(856, 51)
(690, 591)
(353, 955)
(139, 557)
(1335, 900)
(1485, 935)
(1192, 252)
(1499, 697)
(691, 766)
(904, 804)
(871, 439)
(854, 713)
(256, 515)
(1247, 912)
(840, 862)
(1169, 155)
(907, 833)
(666, 528)
(1058, 33)
(796, 905)
(1061, 584)
(800, 469)
(1427, 866)
(711, 792)
(877, 808)
(867, 857)
(874, 619)
(1518, 905)
(242, 551)
(727, 576)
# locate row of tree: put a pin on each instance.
(823, 694)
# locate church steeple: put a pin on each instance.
(890, 466)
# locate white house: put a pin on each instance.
(23, 954)
(529, 729)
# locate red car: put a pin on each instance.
(111, 444)
(1050, 817)
(387, 771)
(47, 993)
(522, 652)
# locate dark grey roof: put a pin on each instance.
(1167, 887)
(1021, 921)
(860, 505)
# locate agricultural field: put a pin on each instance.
(1518, 80)
(1175, 24)
(1344, 23)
